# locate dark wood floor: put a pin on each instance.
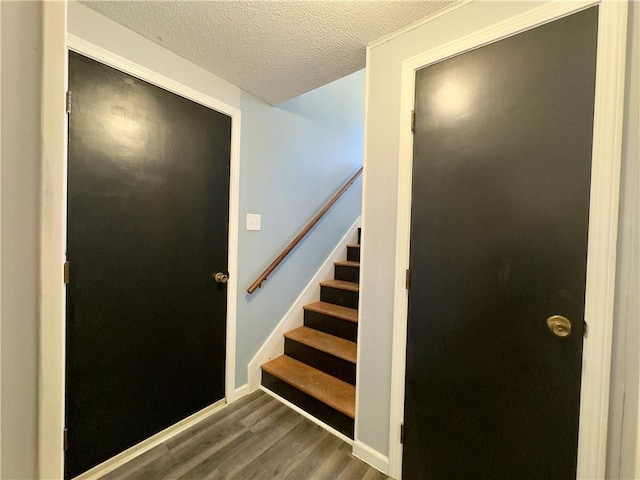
(256, 437)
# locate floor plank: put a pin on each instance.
(279, 457)
(257, 437)
(233, 414)
(317, 457)
(354, 469)
(332, 466)
(142, 460)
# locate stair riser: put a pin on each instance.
(331, 325)
(328, 415)
(338, 296)
(337, 367)
(353, 254)
(349, 274)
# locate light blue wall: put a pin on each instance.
(293, 158)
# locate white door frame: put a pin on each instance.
(52, 373)
(603, 219)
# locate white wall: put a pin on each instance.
(623, 452)
(380, 201)
(294, 157)
(19, 188)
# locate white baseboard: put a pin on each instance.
(274, 345)
(371, 456)
(238, 393)
(308, 416)
(146, 445)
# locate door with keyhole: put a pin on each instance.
(148, 208)
(499, 221)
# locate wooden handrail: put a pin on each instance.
(263, 276)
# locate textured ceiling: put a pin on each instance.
(273, 49)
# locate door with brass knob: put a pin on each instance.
(499, 223)
(560, 326)
(220, 277)
(148, 215)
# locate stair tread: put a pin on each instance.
(341, 284)
(347, 263)
(323, 387)
(353, 245)
(333, 310)
(336, 346)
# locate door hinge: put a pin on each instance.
(66, 273)
(407, 279)
(68, 101)
(413, 121)
(65, 440)
(402, 433)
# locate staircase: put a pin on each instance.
(318, 369)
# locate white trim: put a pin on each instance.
(238, 393)
(630, 319)
(419, 23)
(371, 456)
(637, 458)
(52, 241)
(232, 285)
(356, 428)
(308, 416)
(167, 434)
(0, 229)
(603, 234)
(633, 162)
(50, 440)
(602, 225)
(274, 345)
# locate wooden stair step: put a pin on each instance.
(353, 245)
(353, 252)
(347, 263)
(333, 310)
(329, 390)
(337, 320)
(342, 285)
(348, 270)
(336, 346)
(341, 292)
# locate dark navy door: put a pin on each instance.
(148, 190)
(500, 211)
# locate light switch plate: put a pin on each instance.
(253, 221)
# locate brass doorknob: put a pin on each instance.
(560, 326)
(220, 277)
